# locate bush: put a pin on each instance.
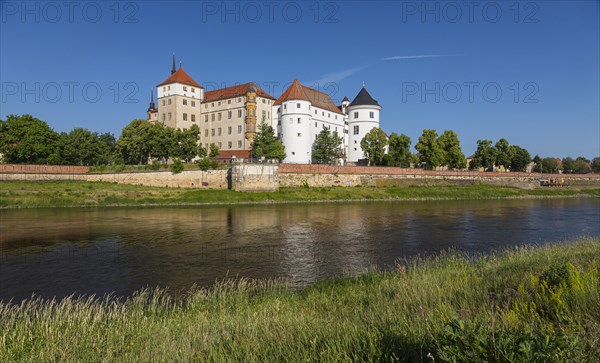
(177, 166)
(155, 165)
(207, 163)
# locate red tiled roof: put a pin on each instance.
(180, 77)
(228, 154)
(234, 91)
(297, 91)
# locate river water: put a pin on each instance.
(63, 251)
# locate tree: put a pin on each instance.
(520, 160)
(596, 164)
(133, 144)
(373, 146)
(484, 156)
(186, 143)
(504, 153)
(568, 165)
(214, 151)
(26, 139)
(550, 165)
(582, 165)
(82, 147)
(537, 160)
(399, 151)
(326, 147)
(266, 144)
(430, 152)
(453, 155)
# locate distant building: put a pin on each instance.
(229, 117)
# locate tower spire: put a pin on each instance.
(173, 70)
(152, 106)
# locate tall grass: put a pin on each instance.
(78, 193)
(523, 304)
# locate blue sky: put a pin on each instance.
(525, 71)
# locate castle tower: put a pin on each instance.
(295, 118)
(179, 98)
(363, 116)
(152, 110)
(250, 120)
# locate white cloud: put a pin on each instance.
(336, 76)
(400, 57)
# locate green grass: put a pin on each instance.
(527, 304)
(79, 193)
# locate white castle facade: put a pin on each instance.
(228, 117)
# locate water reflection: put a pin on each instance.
(62, 251)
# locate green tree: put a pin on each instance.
(326, 147)
(568, 165)
(399, 151)
(266, 144)
(504, 154)
(26, 139)
(453, 155)
(133, 144)
(177, 166)
(83, 147)
(484, 156)
(596, 164)
(537, 167)
(550, 165)
(520, 160)
(186, 143)
(373, 146)
(110, 148)
(431, 153)
(582, 165)
(214, 150)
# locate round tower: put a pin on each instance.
(296, 131)
(250, 121)
(363, 116)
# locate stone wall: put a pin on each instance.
(43, 169)
(197, 179)
(254, 177)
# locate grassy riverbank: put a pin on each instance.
(527, 304)
(78, 193)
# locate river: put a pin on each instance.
(62, 251)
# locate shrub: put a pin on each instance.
(177, 166)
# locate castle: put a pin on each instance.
(229, 117)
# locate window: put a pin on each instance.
(193, 118)
(205, 118)
(169, 88)
(193, 90)
(293, 153)
(206, 133)
(220, 145)
(229, 102)
(212, 104)
(206, 106)
(315, 112)
(219, 131)
(169, 116)
(212, 117)
(298, 105)
(163, 102)
(239, 129)
(328, 115)
(336, 117)
(164, 88)
(169, 101)
(299, 134)
(355, 131)
(356, 115)
(323, 113)
(239, 113)
(239, 100)
(164, 116)
(219, 116)
(371, 114)
(355, 142)
(279, 122)
(239, 143)
(229, 144)
(264, 115)
(263, 100)
(212, 132)
(315, 124)
(185, 117)
(285, 106)
(228, 130)
(185, 88)
(228, 115)
(219, 103)
(193, 103)
(298, 119)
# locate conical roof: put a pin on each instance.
(180, 77)
(364, 98)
